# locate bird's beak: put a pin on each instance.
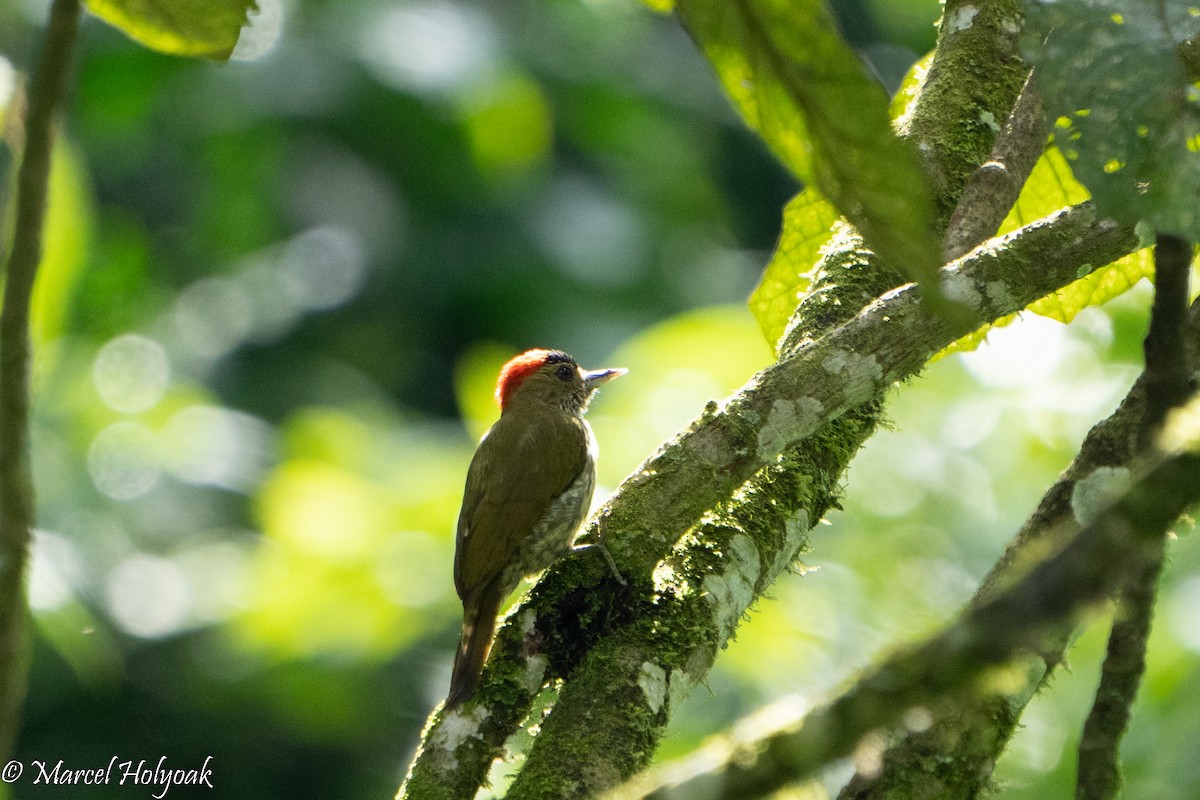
(595, 378)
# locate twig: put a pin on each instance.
(995, 186)
(1168, 384)
(16, 488)
(1099, 776)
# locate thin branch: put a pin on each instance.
(1168, 385)
(1170, 381)
(988, 635)
(46, 92)
(994, 187)
(1099, 776)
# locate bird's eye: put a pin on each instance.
(564, 372)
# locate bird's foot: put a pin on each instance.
(608, 559)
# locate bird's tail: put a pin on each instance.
(479, 623)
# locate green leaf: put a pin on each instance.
(799, 85)
(65, 248)
(208, 28)
(1050, 188)
(1097, 288)
(807, 220)
(1128, 116)
(910, 87)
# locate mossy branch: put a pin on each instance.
(988, 635)
(614, 706)
(994, 187)
(973, 81)
(569, 612)
(45, 96)
(707, 463)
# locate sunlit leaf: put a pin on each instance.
(1050, 188)
(1128, 116)
(909, 87)
(807, 220)
(802, 88)
(208, 28)
(1097, 288)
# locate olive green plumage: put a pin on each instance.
(528, 489)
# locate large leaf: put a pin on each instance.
(1111, 73)
(807, 222)
(799, 85)
(208, 28)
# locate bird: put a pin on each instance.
(528, 489)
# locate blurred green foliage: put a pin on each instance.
(274, 301)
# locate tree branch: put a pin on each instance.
(16, 489)
(953, 757)
(633, 678)
(1168, 384)
(972, 84)
(1169, 378)
(568, 612)
(782, 406)
(994, 187)
(988, 635)
(1099, 775)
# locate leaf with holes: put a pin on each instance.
(1128, 117)
(205, 28)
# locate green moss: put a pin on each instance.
(976, 73)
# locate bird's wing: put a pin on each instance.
(521, 466)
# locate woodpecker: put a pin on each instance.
(528, 490)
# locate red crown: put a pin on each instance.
(521, 367)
